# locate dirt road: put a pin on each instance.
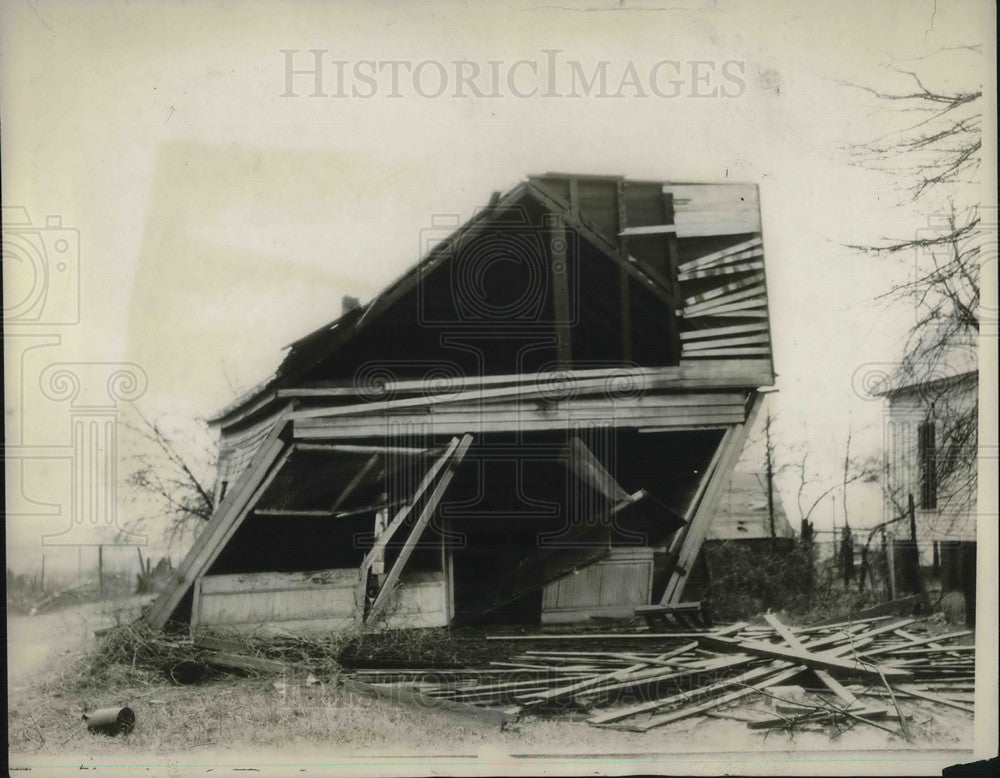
(36, 644)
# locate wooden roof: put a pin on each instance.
(694, 249)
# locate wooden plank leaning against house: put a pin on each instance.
(381, 542)
(432, 503)
(272, 455)
(702, 515)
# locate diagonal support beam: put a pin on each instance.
(589, 469)
(431, 505)
(383, 540)
(701, 512)
(354, 482)
(272, 455)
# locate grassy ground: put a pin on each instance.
(232, 719)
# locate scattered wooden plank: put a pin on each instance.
(666, 718)
(618, 714)
(642, 610)
(918, 693)
(924, 641)
(587, 677)
(859, 623)
(793, 642)
(924, 651)
(624, 659)
(557, 669)
(884, 628)
(868, 715)
(822, 661)
(502, 686)
(243, 662)
(730, 629)
(663, 636)
(632, 672)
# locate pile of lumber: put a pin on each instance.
(849, 673)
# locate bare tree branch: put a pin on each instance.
(167, 481)
(937, 154)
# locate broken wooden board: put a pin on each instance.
(231, 661)
(824, 676)
(677, 715)
(822, 661)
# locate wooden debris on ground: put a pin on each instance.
(681, 614)
(844, 674)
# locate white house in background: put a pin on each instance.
(920, 417)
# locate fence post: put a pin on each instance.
(916, 583)
(968, 567)
(890, 563)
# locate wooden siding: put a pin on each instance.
(236, 449)
(613, 587)
(311, 602)
(715, 209)
(908, 408)
(721, 274)
(461, 419)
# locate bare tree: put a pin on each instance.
(769, 466)
(934, 150)
(808, 499)
(168, 477)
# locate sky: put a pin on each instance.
(221, 215)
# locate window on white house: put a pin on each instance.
(928, 465)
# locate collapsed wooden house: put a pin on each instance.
(535, 423)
